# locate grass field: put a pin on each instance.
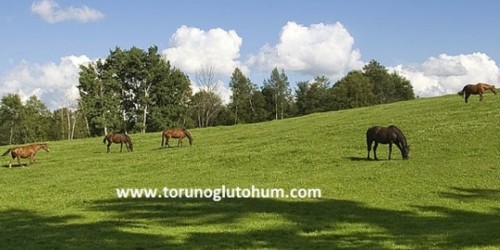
(446, 196)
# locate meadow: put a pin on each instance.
(446, 196)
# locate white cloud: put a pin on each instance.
(447, 74)
(54, 84)
(49, 11)
(191, 49)
(319, 49)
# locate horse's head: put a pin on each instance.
(493, 89)
(45, 147)
(131, 146)
(406, 152)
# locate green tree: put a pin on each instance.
(100, 97)
(278, 88)
(133, 90)
(352, 91)
(247, 103)
(313, 96)
(24, 123)
(11, 118)
(387, 87)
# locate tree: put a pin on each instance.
(206, 102)
(387, 87)
(313, 96)
(23, 123)
(207, 106)
(352, 91)
(247, 103)
(100, 97)
(119, 93)
(278, 88)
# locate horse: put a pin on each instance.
(180, 133)
(119, 138)
(387, 135)
(476, 89)
(28, 151)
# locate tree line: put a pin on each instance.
(138, 91)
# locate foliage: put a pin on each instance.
(133, 90)
(247, 103)
(278, 95)
(23, 123)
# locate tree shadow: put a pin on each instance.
(251, 223)
(23, 229)
(471, 194)
(337, 224)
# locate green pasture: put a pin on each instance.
(446, 196)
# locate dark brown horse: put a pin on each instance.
(28, 151)
(119, 138)
(389, 135)
(476, 89)
(179, 133)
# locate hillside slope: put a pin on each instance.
(445, 196)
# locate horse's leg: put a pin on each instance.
(467, 94)
(368, 147)
(19, 161)
(179, 143)
(128, 146)
(168, 138)
(109, 144)
(390, 150)
(121, 146)
(480, 96)
(375, 150)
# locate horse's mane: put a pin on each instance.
(399, 133)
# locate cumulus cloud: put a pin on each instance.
(54, 84)
(191, 49)
(50, 11)
(319, 49)
(447, 74)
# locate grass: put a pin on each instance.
(446, 196)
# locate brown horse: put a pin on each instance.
(28, 151)
(389, 135)
(476, 89)
(119, 138)
(175, 133)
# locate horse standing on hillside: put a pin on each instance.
(119, 138)
(28, 151)
(389, 135)
(476, 89)
(179, 133)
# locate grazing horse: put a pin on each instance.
(476, 89)
(175, 133)
(389, 135)
(28, 151)
(119, 138)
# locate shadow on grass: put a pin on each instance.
(471, 194)
(251, 223)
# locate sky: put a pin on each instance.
(438, 45)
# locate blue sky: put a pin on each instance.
(438, 45)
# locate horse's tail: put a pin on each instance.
(188, 136)
(6, 152)
(162, 138)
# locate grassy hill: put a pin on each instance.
(446, 196)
